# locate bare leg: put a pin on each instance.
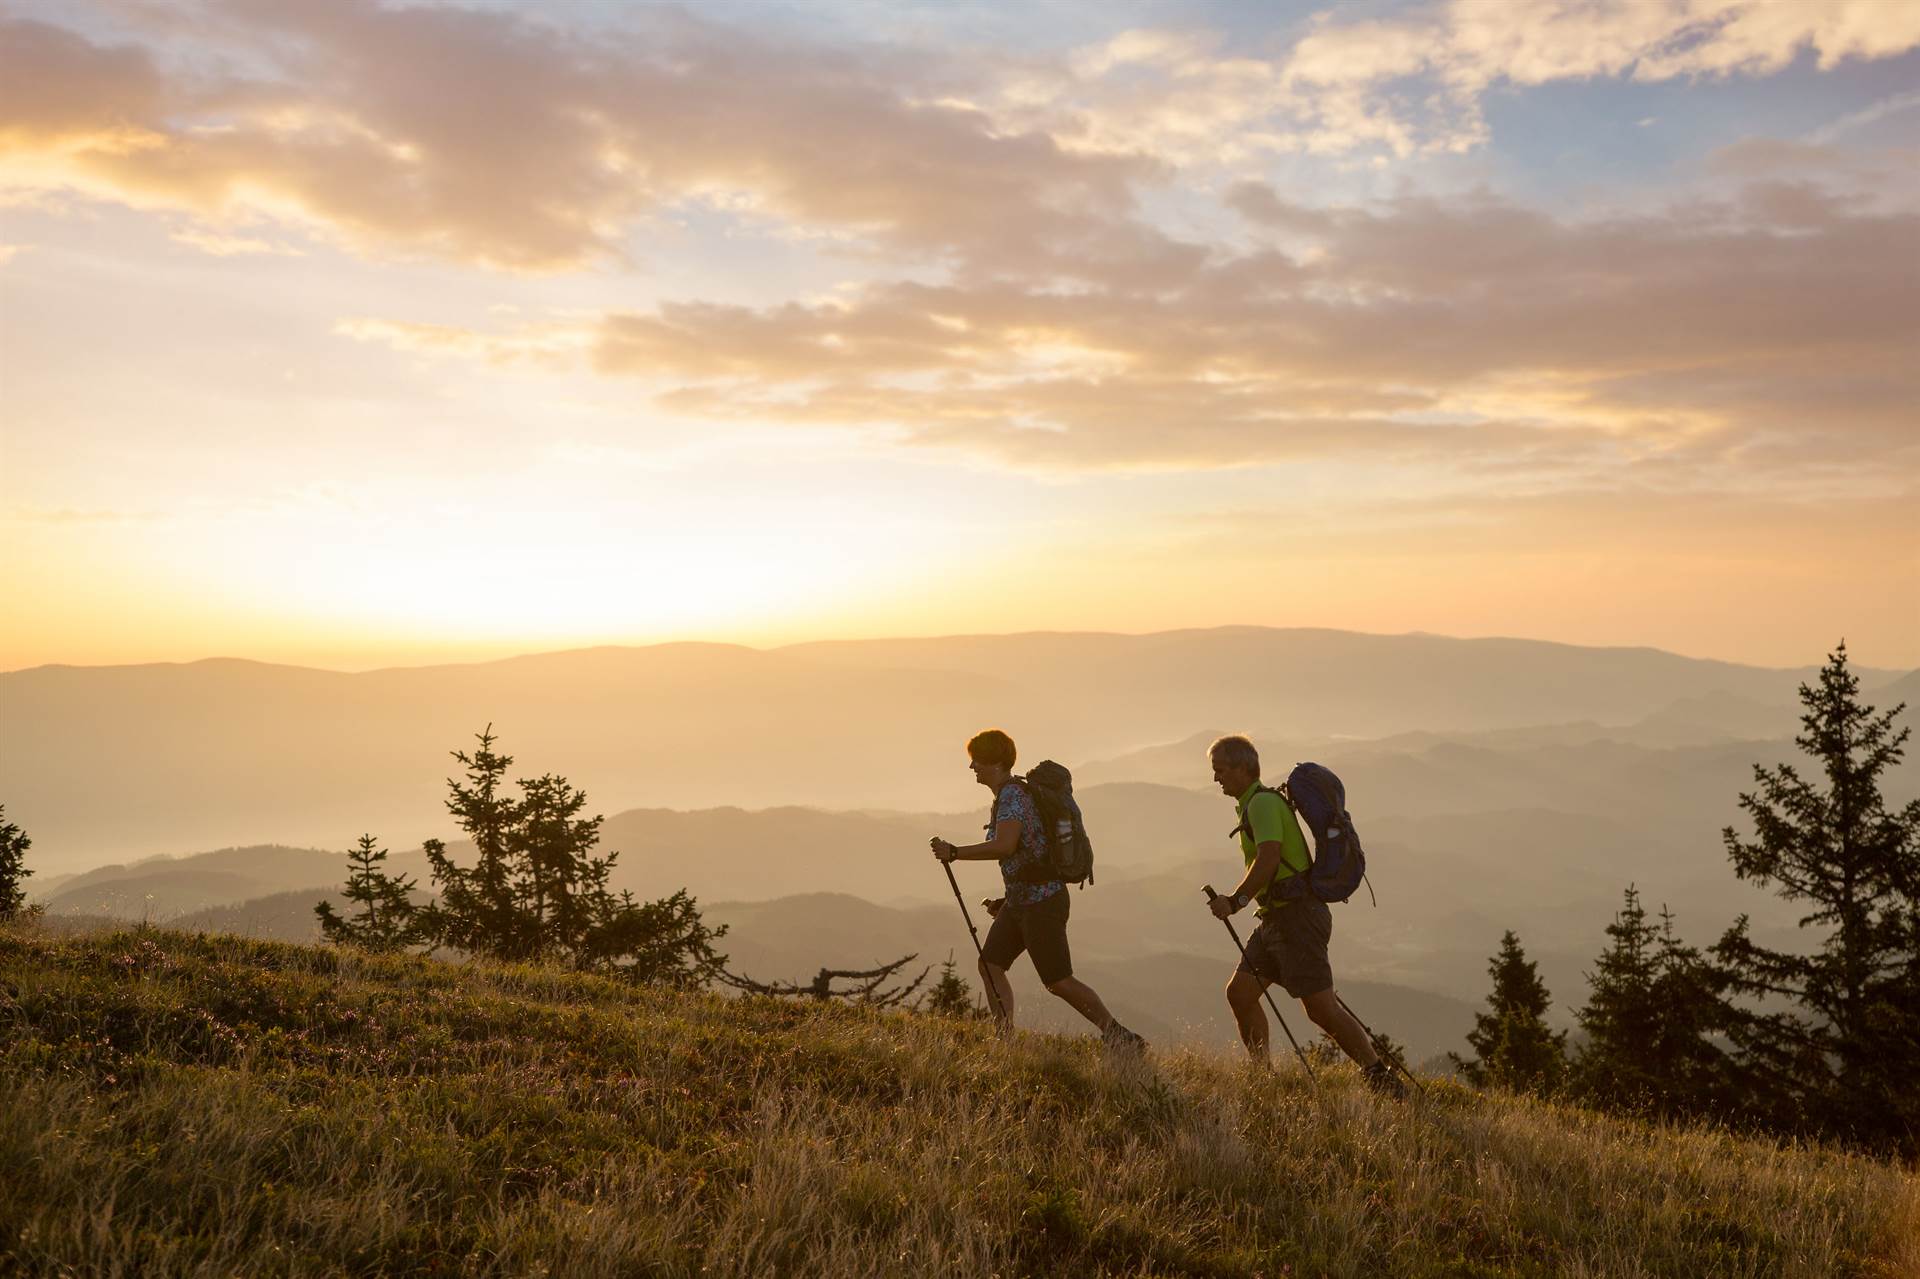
(1243, 996)
(1083, 1000)
(996, 980)
(1325, 1011)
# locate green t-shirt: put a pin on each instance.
(1265, 818)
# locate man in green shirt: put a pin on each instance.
(1289, 946)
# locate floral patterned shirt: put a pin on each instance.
(1015, 804)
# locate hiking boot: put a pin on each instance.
(1381, 1079)
(1119, 1039)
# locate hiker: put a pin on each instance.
(1032, 917)
(1289, 945)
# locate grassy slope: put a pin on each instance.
(175, 1104)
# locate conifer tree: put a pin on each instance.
(1842, 1059)
(1620, 1017)
(560, 886)
(387, 918)
(13, 866)
(536, 891)
(656, 943)
(1650, 1014)
(951, 996)
(1696, 1076)
(476, 911)
(1513, 1046)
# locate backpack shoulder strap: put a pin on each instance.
(993, 809)
(1246, 822)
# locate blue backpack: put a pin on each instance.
(1339, 863)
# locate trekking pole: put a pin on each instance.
(993, 996)
(1381, 1046)
(1211, 896)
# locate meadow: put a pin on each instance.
(186, 1104)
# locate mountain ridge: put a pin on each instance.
(110, 763)
(953, 638)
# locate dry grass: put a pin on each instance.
(176, 1105)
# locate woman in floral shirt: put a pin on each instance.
(1033, 916)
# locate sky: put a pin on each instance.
(358, 334)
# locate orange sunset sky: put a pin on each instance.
(352, 333)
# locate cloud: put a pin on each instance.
(368, 123)
(1894, 104)
(222, 245)
(494, 137)
(59, 90)
(1415, 81)
(1762, 332)
(1063, 328)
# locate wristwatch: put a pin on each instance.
(1239, 901)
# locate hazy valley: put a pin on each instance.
(1509, 785)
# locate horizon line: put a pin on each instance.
(910, 638)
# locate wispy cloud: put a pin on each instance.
(1894, 104)
(1755, 332)
(220, 244)
(1417, 80)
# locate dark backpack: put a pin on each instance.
(1339, 864)
(1069, 851)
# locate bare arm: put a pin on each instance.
(1266, 861)
(1006, 838)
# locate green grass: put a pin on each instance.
(188, 1105)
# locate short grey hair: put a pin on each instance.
(1235, 752)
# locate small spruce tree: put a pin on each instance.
(13, 866)
(387, 918)
(951, 996)
(1620, 1017)
(1842, 1056)
(477, 911)
(559, 886)
(656, 943)
(1512, 1045)
(535, 890)
(1391, 1049)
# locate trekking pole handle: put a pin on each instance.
(1231, 930)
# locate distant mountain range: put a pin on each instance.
(1497, 784)
(106, 763)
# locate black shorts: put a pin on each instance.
(1040, 929)
(1290, 947)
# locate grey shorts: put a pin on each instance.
(1290, 947)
